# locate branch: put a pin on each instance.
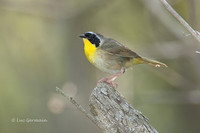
(111, 112)
(114, 114)
(181, 20)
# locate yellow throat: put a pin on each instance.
(90, 50)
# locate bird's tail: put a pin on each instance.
(148, 61)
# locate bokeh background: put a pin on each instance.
(40, 49)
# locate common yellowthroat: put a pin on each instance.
(111, 56)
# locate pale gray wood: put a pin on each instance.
(114, 114)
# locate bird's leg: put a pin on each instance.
(111, 79)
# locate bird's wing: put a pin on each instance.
(115, 48)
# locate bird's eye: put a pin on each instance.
(92, 36)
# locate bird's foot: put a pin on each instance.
(109, 81)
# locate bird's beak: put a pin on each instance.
(82, 36)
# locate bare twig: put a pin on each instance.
(78, 106)
(181, 20)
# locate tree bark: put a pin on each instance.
(114, 114)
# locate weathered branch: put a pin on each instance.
(112, 113)
(181, 20)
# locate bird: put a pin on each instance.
(111, 56)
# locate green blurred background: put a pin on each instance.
(40, 49)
